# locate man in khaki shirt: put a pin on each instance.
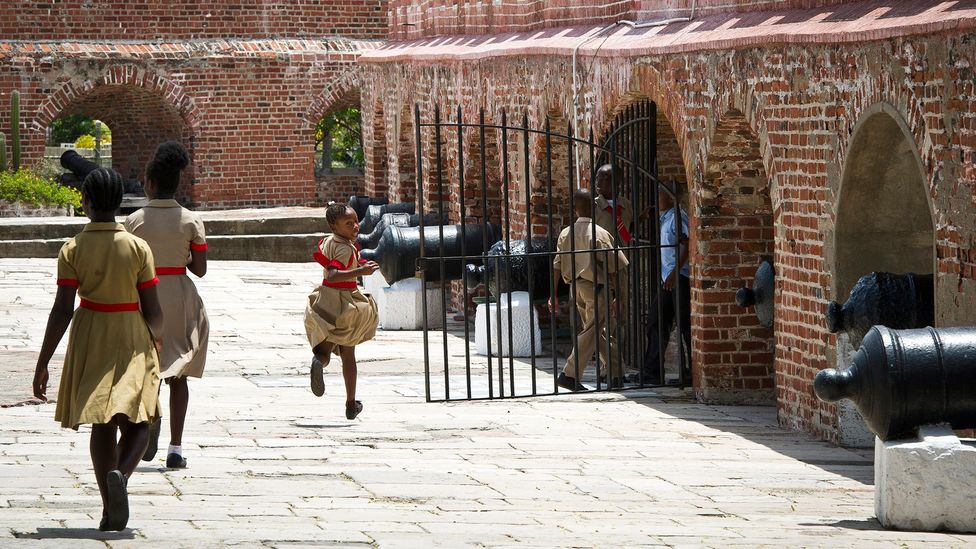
(591, 272)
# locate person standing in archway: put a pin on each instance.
(612, 211)
(675, 286)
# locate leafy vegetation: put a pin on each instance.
(27, 187)
(339, 140)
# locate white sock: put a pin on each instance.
(178, 450)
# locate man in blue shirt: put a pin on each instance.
(675, 289)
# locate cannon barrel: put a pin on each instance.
(495, 273)
(360, 203)
(78, 165)
(369, 240)
(373, 214)
(903, 379)
(398, 250)
(886, 299)
(761, 295)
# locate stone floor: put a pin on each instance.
(270, 465)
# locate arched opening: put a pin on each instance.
(339, 159)
(90, 138)
(734, 232)
(137, 120)
(884, 219)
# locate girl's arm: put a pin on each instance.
(149, 301)
(57, 323)
(336, 275)
(198, 262)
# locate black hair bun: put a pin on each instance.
(172, 156)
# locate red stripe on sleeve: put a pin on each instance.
(321, 259)
(198, 247)
(337, 265)
(68, 282)
(148, 283)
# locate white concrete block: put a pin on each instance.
(522, 336)
(403, 306)
(374, 285)
(926, 484)
(852, 430)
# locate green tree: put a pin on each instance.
(68, 129)
(339, 136)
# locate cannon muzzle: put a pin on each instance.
(903, 379)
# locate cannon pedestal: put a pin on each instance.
(374, 285)
(926, 483)
(486, 315)
(404, 306)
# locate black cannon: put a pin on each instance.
(369, 240)
(399, 249)
(885, 299)
(903, 379)
(762, 294)
(79, 168)
(360, 203)
(494, 274)
(375, 213)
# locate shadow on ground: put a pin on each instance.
(76, 533)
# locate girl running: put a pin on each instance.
(338, 316)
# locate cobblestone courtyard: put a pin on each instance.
(271, 465)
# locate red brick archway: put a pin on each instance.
(142, 109)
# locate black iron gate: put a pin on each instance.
(518, 241)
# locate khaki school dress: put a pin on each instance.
(111, 365)
(338, 312)
(172, 231)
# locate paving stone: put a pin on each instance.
(273, 466)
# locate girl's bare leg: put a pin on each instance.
(323, 352)
(349, 372)
(132, 444)
(104, 454)
(179, 399)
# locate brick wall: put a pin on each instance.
(760, 131)
(105, 20)
(246, 110)
(338, 185)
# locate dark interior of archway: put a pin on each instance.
(883, 219)
(140, 120)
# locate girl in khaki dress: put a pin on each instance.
(338, 316)
(111, 370)
(179, 244)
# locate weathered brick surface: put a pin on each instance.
(761, 132)
(411, 19)
(106, 20)
(246, 110)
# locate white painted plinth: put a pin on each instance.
(522, 336)
(926, 484)
(374, 285)
(403, 306)
(852, 430)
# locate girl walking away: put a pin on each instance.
(338, 316)
(111, 371)
(178, 244)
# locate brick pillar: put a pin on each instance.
(732, 230)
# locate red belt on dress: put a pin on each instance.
(109, 307)
(347, 285)
(170, 271)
